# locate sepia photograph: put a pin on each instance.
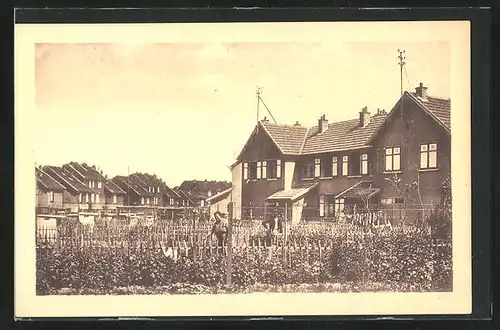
(225, 160)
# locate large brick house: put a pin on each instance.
(401, 157)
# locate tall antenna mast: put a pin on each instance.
(258, 92)
(259, 100)
(402, 63)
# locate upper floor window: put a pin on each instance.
(114, 199)
(335, 168)
(245, 171)
(86, 198)
(364, 163)
(273, 169)
(147, 201)
(92, 198)
(252, 170)
(51, 196)
(345, 165)
(158, 189)
(308, 170)
(97, 198)
(326, 167)
(80, 198)
(99, 184)
(317, 167)
(259, 170)
(142, 200)
(428, 155)
(393, 159)
(264, 169)
(171, 201)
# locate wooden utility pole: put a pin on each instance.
(259, 91)
(402, 63)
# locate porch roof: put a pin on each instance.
(362, 189)
(291, 194)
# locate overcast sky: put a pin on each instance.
(184, 111)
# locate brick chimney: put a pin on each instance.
(265, 120)
(322, 124)
(296, 124)
(364, 117)
(421, 91)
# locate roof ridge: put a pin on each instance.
(433, 96)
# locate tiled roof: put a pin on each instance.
(68, 180)
(183, 194)
(131, 182)
(170, 192)
(342, 135)
(219, 195)
(288, 138)
(83, 171)
(113, 188)
(47, 182)
(362, 189)
(440, 108)
(201, 188)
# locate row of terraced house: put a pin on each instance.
(76, 187)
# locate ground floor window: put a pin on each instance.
(392, 200)
(322, 206)
(339, 206)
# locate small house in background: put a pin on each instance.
(49, 193)
(201, 190)
(219, 202)
(135, 192)
(152, 184)
(185, 198)
(77, 195)
(93, 178)
(113, 195)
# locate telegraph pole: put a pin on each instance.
(402, 63)
(258, 92)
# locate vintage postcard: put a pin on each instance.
(249, 169)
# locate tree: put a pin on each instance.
(440, 220)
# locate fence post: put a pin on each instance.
(229, 252)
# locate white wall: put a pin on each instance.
(237, 178)
(289, 170)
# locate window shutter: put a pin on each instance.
(259, 166)
(264, 169)
(278, 168)
(245, 171)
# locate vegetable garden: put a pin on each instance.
(165, 258)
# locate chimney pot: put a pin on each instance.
(421, 91)
(297, 123)
(322, 124)
(364, 117)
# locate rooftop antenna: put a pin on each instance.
(259, 99)
(257, 93)
(402, 63)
